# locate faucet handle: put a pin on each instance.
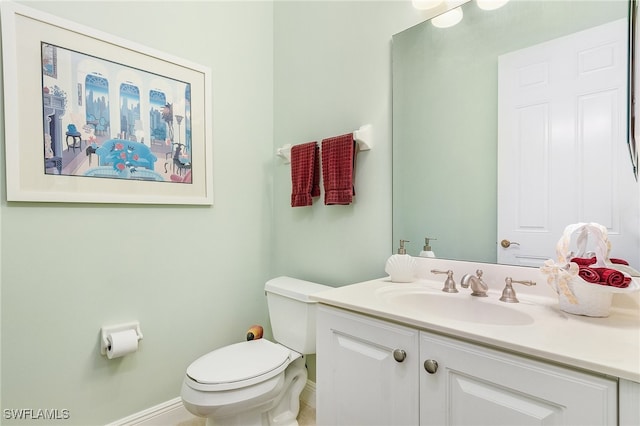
(449, 283)
(509, 294)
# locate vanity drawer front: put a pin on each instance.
(474, 385)
(366, 371)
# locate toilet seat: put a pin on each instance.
(239, 365)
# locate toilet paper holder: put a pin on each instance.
(106, 331)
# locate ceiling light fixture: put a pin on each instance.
(448, 19)
(491, 4)
(426, 4)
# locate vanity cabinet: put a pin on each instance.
(443, 381)
(365, 371)
(475, 385)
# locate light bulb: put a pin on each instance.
(426, 4)
(491, 4)
(448, 19)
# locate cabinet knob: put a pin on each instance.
(399, 355)
(431, 365)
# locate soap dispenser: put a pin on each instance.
(427, 252)
(401, 266)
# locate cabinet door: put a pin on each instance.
(478, 386)
(359, 381)
(628, 397)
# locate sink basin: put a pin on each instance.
(453, 306)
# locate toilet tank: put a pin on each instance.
(292, 314)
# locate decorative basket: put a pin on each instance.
(575, 295)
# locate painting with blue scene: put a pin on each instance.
(103, 119)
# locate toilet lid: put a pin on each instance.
(238, 362)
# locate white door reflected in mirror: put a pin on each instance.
(561, 133)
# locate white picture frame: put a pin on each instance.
(38, 93)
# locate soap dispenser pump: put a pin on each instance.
(401, 266)
(401, 249)
(427, 252)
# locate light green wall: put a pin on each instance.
(283, 72)
(332, 75)
(192, 276)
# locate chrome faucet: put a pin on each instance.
(478, 286)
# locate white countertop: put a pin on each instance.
(604, 345)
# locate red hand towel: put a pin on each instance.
(612, 277)
(589, 275)
(584, 261)
(619, 261)
(305, 174)
(338, 165)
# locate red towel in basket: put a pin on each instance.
(589, 275)
(618, 261)
(338, 167)
(584, 261)
(305, 174)
(604, 276)
(612, 277)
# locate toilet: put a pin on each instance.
(258, 382)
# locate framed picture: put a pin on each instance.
(93, 118)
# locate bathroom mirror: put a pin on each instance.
(445, 128)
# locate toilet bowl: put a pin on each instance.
(258, 382)
(242, 383)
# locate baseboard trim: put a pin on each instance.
(169, 413)
(308, 395)
(172, 412)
